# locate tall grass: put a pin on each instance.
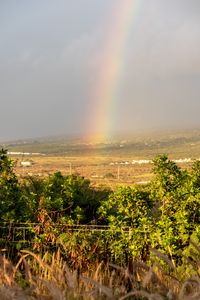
(49, 277)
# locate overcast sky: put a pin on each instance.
(50, 57)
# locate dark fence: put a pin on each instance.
(41, 238)
(12, 233)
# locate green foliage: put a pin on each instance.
(66, 199)
(72, 196)
(177, 200)
(129, 211)
(164, 214)
(168, 177)
(126, 207)
(14, 206)
(196, 173)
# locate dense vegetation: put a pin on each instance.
(164, 215)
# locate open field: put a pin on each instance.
(107, 162)
(99, 169)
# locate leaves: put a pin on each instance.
(163, 215)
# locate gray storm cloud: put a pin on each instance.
(51, 54)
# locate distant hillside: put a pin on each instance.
(177, 144)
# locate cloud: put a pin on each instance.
(51, 55)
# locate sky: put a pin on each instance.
(54, 56)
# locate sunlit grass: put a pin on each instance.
(49, 277)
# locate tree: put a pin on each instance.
(128, 211)
(13, 204)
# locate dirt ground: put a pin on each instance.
(100, 170)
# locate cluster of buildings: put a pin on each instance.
(148, 161)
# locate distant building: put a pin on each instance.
(26, 163)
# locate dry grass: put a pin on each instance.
(48, 277)
(96, 168)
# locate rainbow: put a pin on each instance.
(106, 89)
